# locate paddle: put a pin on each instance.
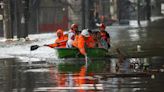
(87, 59)
(34, 47)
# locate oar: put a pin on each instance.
(87, 60)
(34, 47)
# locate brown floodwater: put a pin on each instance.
(133, 75)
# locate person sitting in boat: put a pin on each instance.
(71, 35)
(90, 42)
(96, 38)
(61, 40)
(105, 37)
(80, 43)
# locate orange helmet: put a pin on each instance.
(102, 25)
(60, 31)
(74, 26)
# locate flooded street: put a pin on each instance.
(81, 45)
(133, 75)
(143, 42)
(139, 67)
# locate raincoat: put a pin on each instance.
(61, 41)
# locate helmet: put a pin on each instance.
(74, 26)
(85, 32)
(60, 31)
(102, 25)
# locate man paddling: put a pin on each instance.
(61, 40)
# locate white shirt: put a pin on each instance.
(71, 37)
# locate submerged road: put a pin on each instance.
(139, 42)
(142, 71)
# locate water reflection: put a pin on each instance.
(78, 81)
(100, 75)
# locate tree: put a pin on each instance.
(8, 33)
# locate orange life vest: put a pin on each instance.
(79, 43)
(90, 42)
(61, 41)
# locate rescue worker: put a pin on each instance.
(71, 35)
(80, 43)
(90, 42)
(105, 38)
(61, 40)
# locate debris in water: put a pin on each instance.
(153, 76)
(138, 47)
(161, 70)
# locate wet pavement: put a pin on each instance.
(139, 68)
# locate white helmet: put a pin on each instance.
(85, 32)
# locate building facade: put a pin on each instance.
(49, 15)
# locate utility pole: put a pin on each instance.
(26, 16)
(138, 13)
(83, 13)
(8, 33)
(148, 11)
(87, 13)
(91, 14)
(22, 18)
(18, 18)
